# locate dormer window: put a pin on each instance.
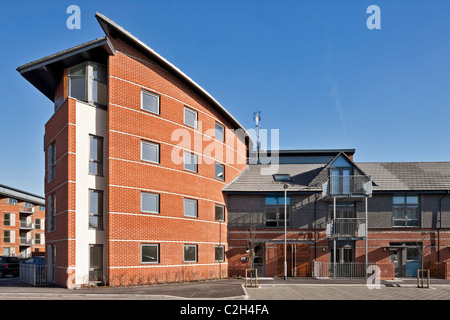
(282, 177)
(87, 82)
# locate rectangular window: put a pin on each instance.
(95, 209)
(219, 253)
(51, 210)
(190, 208)
(6, 219)
(405, 210)
(96, 263)
(28, 205)
(150, 102)
(220, 212)
(190, 162)
(190, 253)
(96, 155)
(51, 162)
(88, 82)
(220, 171)
(190, 117)
(149, 202)
(37, 238)
(37, 224)
(274, 211)
(220, 132)
(149, 253)
(6, 236)
(149, 151)
(41, 208)
(12, 201)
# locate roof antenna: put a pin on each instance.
(257, 119)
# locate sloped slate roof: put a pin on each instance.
(387, 176)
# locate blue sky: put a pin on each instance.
(313, 69)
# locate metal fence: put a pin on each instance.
(338, 270)
(32, 274)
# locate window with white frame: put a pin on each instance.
(190, 117)
(219, 212)
(149, 202)
(150, 102)
(190, 208)
(88, 82)
(220, 171)
(220, 132)
(190, 162)
(149, 151)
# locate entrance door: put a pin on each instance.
(258, 259)
(396, 258)
(297, 260)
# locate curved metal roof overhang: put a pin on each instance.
(45, 74)
(113, 30)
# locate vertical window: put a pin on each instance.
(219, 253)
(95, 209)
(149, 253)
(149, 151)
(41, 208)
(77, 82)
(220, 132)
(190, 117)
(190, 208)
(220, 212)
(12, 201)
(51, 162)
(96, 263)
(150, 102)
(6, 219)
(406, 210)
(37, 224)
(51, 208)
(220, 171)
(37, 238)
(96, 155)
(28, 205)
(190, 162)
(6, 236)
(190, 253)
(98, 87)
(149, 202)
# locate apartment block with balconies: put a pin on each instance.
(22, 223)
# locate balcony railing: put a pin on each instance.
(26, 241)
(347, 227)
(26, 224)
(347, 186)
(25, 209)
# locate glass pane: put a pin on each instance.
(150, 152)
(220, 213)
(399, 199)
(399, 213)
(219, 253)
(281, 200)
(220, 174)
(412, 212)
(99, 72)
(96, 257)
(99, 92)
(413, 253)
(271, 199)
(219, 132)
(190, 208)
(150, 102)
(94, 202)
(190, 253)
(78, 88)
(399, 223)
(149, 202)
(190, 162)
(95, 168)
(150, 253)
(78, 71)
(412, 199)
(271, 213)
(190, 118)
(94, 222)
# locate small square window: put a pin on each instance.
(190, 253)
(190, 208)
(150, 102)
(220, 171)
(190, 162)
(190, 117)
(149, 202)
(149, 253)
(220, 132)
(149, 151)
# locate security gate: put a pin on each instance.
(298, 260)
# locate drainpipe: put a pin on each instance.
(440, 224)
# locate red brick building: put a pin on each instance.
(137, 155)
(22, 223)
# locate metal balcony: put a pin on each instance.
(354, 228)
(347, 187)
